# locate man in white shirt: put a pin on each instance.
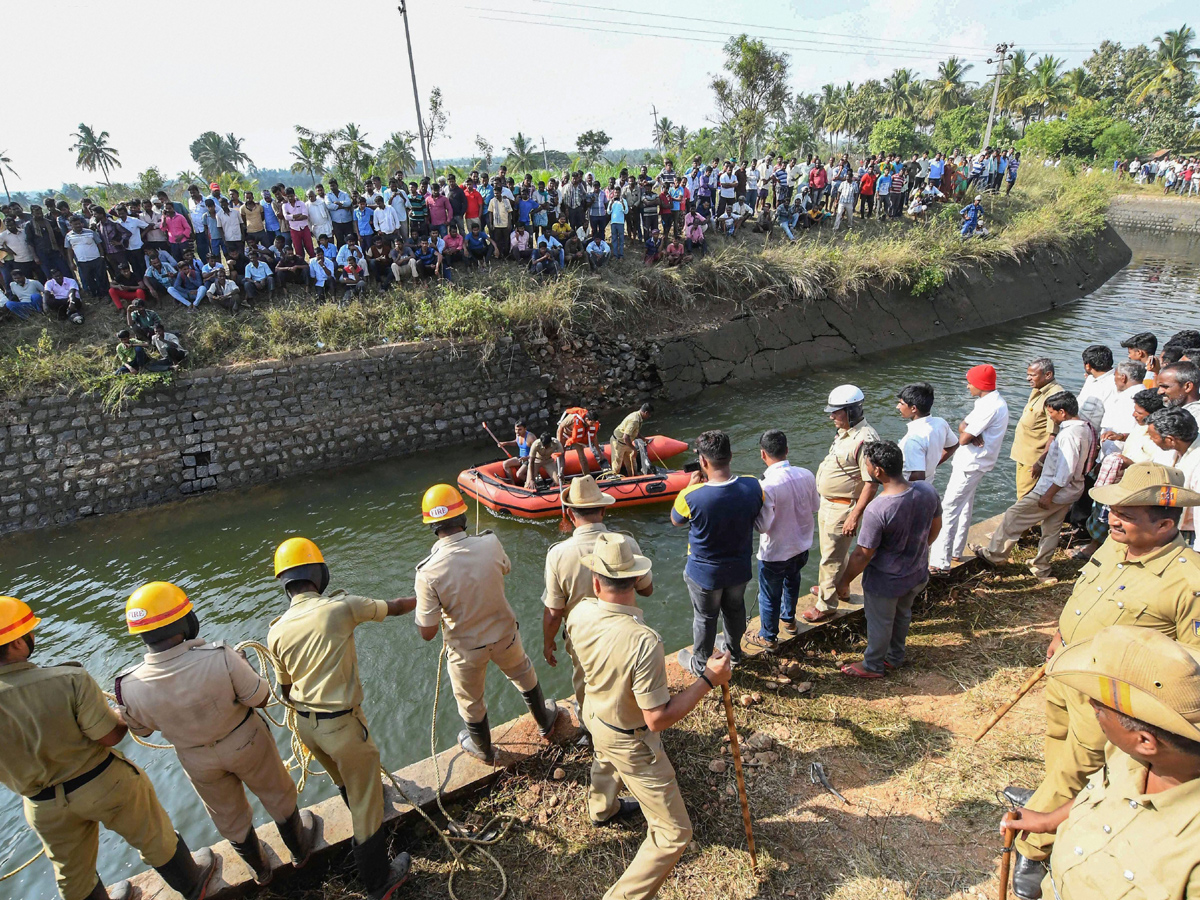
(1118, 420)
(384, 220)
(1068, 460)
(598, 252)
(979, 438)
(321, 272)
(135, 252)
(783, 548)
(259, 277)
(1098, 390)
(230, 221)
(1174, 431)
(1179, 384)
(742, 213)
(318, 217)
(843, 190)
(929, 440)
(726, 188)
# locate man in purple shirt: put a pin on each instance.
(893, 557)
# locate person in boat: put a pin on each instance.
(623, 440)
(515, 466)
(578, 429)
(542, 463)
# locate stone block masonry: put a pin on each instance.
(62, 458)
(1155, 213)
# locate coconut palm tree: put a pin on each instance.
(948, 90)
(1079, 83)
(1047, 92)
(95, 152)
(521, 154)
(1014, 83)
(900, 93)
(186, 177)
(217, 154)
(1173, 59)
(397, 152)
(838, 116)
(309, 155)
(681, 138)
(6, 163)
(664, 133)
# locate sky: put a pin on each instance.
(551, 70)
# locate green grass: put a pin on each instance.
(1049, 209)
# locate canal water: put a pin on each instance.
(367, 522)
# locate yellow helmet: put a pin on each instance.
(442, 501)
(16, 619)
(154, 606)
(294, 552)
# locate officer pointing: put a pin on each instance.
(318, 674)
(58, 731)
(461, 585)
(202, 697)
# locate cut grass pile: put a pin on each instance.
(1049, 210)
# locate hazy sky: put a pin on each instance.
(258, 67)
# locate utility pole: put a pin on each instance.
(545, 158)
(1003, 56)
(426, 163)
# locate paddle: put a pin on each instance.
(564, 526)
(496, 439)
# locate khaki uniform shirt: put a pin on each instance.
(843, 471)
(567, 581)
(1034, 428)
(196, 693)
(461, 583)
(1159, 591)
(51, 720)
(623, 663)
(1119, 841)
(543, 455)
(314, 643)
(629, 429)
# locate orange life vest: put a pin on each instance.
(581, 429)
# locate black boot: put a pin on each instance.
(380, 875)
(1027, 877)
(251, 852)
(476, 739)
(299, 833)
(122, 890)
(187, 874)
(1018, 795)
(544, 712)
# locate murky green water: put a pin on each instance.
(367, 522)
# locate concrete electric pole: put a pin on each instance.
(426, 163)
(1003, 56)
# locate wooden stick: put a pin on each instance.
(1010, 835)
(496, 439)
(564, 526)
(1025, 689)
(741, 779)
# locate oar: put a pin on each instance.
(564, 526)
(741, 779)
(496, 439)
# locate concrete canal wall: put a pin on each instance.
(1155, 213)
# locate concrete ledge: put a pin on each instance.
(1146, 211)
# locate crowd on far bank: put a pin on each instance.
(1177, 175)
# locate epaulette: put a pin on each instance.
(426, 559)
(340, 592)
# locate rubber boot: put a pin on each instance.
(380, 875)
(299, 833)
(544, 712)
(476, 739)
(188, 874)
(1027, 877)
(122, 890)
(251, 852)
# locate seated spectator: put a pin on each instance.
(561, 229)
(141, 321)
(573, 250)
(167, 345)
(131, 357)
(598, 252)
(259, 277)
(521, 244)
(694, 226)
(653, 247)
(378, 262)
(225, 293)
(452, 248)
(352, 279)
(544, 262)
(677, 255)
(23, 295)
(289, 268)
(427, 261)
(555, 248)
(766, 220)
(479, 246)
(125, 286)
(401, 258)
(322, 272)
(62, 297)
(159, 277)
(742, 212)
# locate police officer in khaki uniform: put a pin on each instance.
(626, 706)
(1035, 428)
(621, 445)
(1134, 828)
(202, 698)
(313, 642)
(1144, 575)
(460, 586)
(568, 581)
(845, 488)
(58, 732)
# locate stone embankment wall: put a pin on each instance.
(62, 458)
(817, 333)
(1155, 213)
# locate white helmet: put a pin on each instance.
(842, 396)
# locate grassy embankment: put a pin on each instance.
(1049, 209)
(921, 818)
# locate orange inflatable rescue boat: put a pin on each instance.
(488, 484)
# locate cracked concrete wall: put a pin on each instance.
(811, 334)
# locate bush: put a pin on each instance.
(959, 129)
(1073, 136)
(896, 135)
(1118, 141)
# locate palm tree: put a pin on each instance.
(900, 92)
(664, 133)
(681, 138)
(1174, 58)
(94, 151)
(186, 177)
(1079, 83)
(397, 152)
(353, 145)
(235, 153)
(6, 163)
(216, 154)
(520, 155)
(309, 155)
(1014, 83)
(1047, 92)
(838, 116)
(949, 88)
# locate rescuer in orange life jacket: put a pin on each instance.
(577, 430)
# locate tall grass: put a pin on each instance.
(1049, 209)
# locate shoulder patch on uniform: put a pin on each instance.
(1196, 627)
(1095, 562)
(214, 645)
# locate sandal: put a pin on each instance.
(814, 616)
(757, 640)
(858, 671)
(938, 571)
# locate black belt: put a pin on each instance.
(621, 730)
(73, 784)
(321, 716)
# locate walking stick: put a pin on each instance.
(1010, 835)
(496, 439)
(741, 779)
(1025, 689)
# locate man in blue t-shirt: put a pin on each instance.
(721, 511)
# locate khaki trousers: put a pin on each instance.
(835, 549)
(639, 762)
(1019, 518)
(345, 748)
(1074, 750)
(247, 756)
(622, 457)
(468, 673)
(123, 800)
(1025, 479)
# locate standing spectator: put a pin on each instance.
(178, 230)
(320, 220)
(1067, 460)
(979, 438)
(46, 241)
(500, 214)
(726, 188)
(893, 557)
(364, 222)
(341, 212)
(83, 249)
(24, 251)
(1035, 429)
(844, 192)
(929, 440)
(230, 220)
(254, 221)
(1179, 384)
(721, 512)
(295, 214)
(1099, 390)
(385, 223)
(1175, 433)
(213, 234)
(617, 210)
(791, 494)
(440, 212)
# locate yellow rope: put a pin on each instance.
(24, 865)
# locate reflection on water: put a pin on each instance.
(367, 522)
